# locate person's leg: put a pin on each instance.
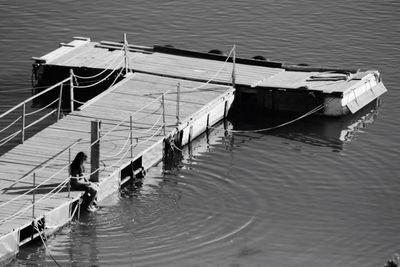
(92, 194)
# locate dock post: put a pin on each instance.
(71, 89)
(178, 92)
(95, 151)
(163, 112)
(33, 195)
(131, 135)
(23, 124)
(69, 181)
(126, 54)
(233, 66)
(59, 102)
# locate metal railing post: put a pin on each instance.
(178, 92)
(233, 66)
(33, 195)
(131, 134)
(163, 112)
(126, 54)
(23, 123)
(59, 102)
(95, 151)
(71, 90)
(69, 172)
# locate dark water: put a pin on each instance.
(321, 192)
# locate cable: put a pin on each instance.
(314, 110)
(44, 244)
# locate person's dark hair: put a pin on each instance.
(78, 161)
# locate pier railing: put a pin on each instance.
(59, 173)
(18, 116)
(59, 178)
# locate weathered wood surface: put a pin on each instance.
(94, 55)
(44, 149)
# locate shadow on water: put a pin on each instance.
(333, 132)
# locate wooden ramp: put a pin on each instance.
(136, 116)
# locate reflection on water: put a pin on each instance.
(313, 130)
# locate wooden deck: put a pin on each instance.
(288, 87)
(138, 96)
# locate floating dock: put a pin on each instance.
(272, 86)
(137, 120)
(129, 105)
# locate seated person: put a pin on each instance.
(79, 182)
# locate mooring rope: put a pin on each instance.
(36, 226)
(314, 110)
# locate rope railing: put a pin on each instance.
(128, 150)
(98, 82)
(123, 147)
(40, 119)
(9, 138)
(43, 108)
(32, 205)
(46, 164)
(34, 188)
(148, 139)
(24, 115)
(35, 96)
(218, 72)
(11, 124)
(128, 117)
(112, 65)
(129, 138)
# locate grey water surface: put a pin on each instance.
(320, 192)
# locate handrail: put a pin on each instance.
(35, 96)
(125, 146)
(45, 164)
